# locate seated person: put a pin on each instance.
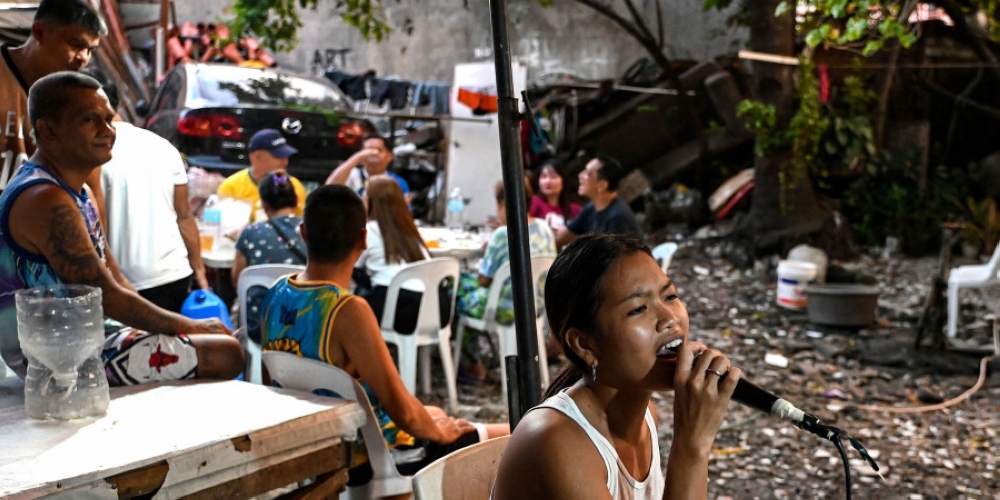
(269, 153)
(551, 202)
(473, 289)
(50, 234)
(614, 311)
(313, 314)
(273, 241)
(393, 242)
(373, 159)
(606, 213)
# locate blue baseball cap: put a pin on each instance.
(273, 142)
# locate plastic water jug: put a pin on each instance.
(61, 331)
(203, 304)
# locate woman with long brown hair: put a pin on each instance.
(393, 242)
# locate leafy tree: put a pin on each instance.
(276, 22)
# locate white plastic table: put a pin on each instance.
(446, 242)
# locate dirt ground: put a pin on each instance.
(835, 374)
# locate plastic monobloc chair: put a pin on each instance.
(466, 474)
(428, 275)
(260, 275)
(295, 372)
(506, 333)
(972, 276)
(664, 253)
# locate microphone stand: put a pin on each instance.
(836, 434)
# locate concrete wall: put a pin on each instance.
(430, 36)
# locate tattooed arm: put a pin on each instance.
(45, 220)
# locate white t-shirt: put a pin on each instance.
(373, 259)
(142, 228)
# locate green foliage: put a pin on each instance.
(859, 25)
(887, 202)
(276, 22)
(982, 223)
(801, 136)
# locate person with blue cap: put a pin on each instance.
(269, 153)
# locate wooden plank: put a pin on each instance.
(139, 481)
(325, 487)
(334, 458)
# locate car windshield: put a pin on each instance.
(236, 86)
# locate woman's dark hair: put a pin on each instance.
(559, 168)
(276, 191)
(573, 293)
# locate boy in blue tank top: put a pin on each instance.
(313, 314)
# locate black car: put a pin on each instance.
(210, 111)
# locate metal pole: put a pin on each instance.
(517, 218)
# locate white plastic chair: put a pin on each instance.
(466, 474)
(506, 333)
(263, 275)
(973, 276)
(294, 372)
(663, 253)
(429, 274)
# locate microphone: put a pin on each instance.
(749, 394)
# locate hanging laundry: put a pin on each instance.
(482, 100)
(399, 93)
(352, 85)
(440, 96)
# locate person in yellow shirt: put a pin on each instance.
(269, 152)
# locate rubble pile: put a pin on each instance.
(837, 375)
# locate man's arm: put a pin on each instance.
(45, 220)
(365, 350)
(189, 233)
(97, 196)
(343, 171)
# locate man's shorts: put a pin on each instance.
(136, 357)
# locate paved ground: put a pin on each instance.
(834, 374)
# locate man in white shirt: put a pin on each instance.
(151, 229)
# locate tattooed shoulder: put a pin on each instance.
(72, 252)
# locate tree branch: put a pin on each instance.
(962, 26)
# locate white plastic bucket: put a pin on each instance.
(793, 277)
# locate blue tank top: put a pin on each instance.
(298, 317)
(19, 268)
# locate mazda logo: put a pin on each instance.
(291, 125)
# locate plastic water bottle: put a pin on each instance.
(211, 228)
(203, 304)
(456, 210)
(61, 331)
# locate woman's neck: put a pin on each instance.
(553, 199)
(621, 411)
(281, 212)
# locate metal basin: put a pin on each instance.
(842, 304)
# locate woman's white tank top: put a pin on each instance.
(621, 484)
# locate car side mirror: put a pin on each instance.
(142, 108)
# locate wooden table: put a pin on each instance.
(207, 439)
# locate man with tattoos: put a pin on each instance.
(50, 233)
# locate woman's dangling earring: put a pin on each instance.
(593, 371)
